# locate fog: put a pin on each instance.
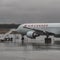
(28, 11)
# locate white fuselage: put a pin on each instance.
(50, 27)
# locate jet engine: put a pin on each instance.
(32, 34)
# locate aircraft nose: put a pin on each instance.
(18, 29)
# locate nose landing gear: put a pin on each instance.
(22, 39)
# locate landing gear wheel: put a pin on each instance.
(22, 39)
(1, 40)
(47, 40)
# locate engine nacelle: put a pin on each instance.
(31, 34)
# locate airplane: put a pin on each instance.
(33, 30)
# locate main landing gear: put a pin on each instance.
(48, 40)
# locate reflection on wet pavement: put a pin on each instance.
(7, 46)
(28, 51)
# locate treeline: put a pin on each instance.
(8, 26)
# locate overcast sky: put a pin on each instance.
(26, 11)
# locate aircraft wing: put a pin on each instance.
(41, 31)
(34, 29)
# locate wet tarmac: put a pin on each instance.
(28, 51)
(32, 49)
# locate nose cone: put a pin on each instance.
(18, 29)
